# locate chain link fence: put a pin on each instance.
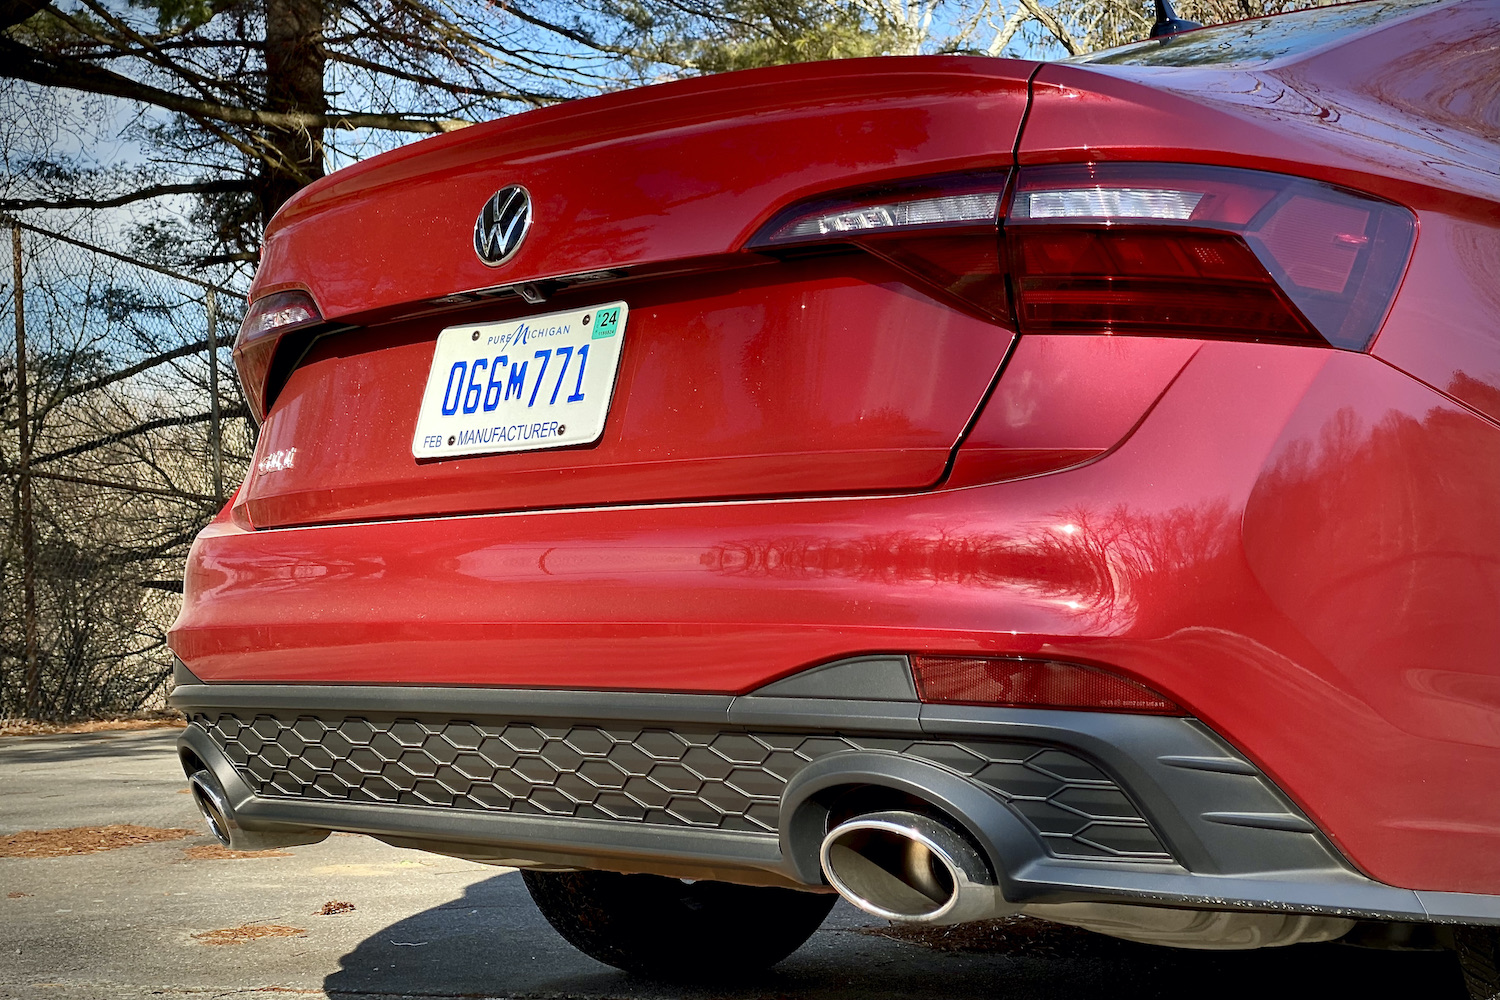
(122, 432)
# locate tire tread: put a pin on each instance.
(1479, 957)
(669, 929)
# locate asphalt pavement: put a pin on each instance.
(171, 919)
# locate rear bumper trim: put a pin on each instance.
(1210, 830)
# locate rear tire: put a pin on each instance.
(1479, 957)
(670, 929)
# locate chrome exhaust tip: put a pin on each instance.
(211, 801)
(906, 866)
(214, 806)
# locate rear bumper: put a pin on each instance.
(1282, 546)
(1067, 806)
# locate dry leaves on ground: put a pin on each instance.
(218, 852)
(334, 906)
(83, 840)
(247, 932)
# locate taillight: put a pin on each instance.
(1022, 682)
(1202, 251)
(267, 319)
(945, 230)
(1132, 248)
(957, 201)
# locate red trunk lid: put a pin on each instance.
(740, 375)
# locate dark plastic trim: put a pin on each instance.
(181, 675)
(1187, 806)
(826, 713)
(1238, 840)
(877, 678)
(518, 703)
(487, 836)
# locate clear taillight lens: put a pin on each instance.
(1202, 251)
(1106, 203)
(891, 216)
(964, 201)
(267, 319)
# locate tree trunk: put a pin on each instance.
(294, 82)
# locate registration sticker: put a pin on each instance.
(521, 385)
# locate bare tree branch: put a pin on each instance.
(142, 194)
(127, 487)
(1054, 26)
(25, 63)
(227, 413)
(1007, 31)
(245, 257)
(426, 80)
(67, 392)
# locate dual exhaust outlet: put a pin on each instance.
(899, 865)
(906, 866)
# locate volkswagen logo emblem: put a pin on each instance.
(502, 224)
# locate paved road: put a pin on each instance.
(122, 923)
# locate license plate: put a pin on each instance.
(521, 385)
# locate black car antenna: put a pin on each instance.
(1167, 21)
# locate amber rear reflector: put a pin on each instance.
(1032, 683)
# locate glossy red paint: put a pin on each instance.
(710, 593)
(1390, 492)
(809, 376)
(1065, 400)
(671, 172)
(1176, 559)
(1297, 545)
(1442, 328)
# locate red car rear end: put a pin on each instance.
(972, 485)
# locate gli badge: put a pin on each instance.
(502, 224)
(277, 461)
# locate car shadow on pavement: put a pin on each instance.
(493, 943)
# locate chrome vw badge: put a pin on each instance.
(502, 224)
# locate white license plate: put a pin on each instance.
(520, 385)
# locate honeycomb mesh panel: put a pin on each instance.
(704, 778)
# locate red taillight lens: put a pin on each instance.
(268, 318)
(967, 267)
(1085, 280)
(1030, 683)
(1202, 251)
